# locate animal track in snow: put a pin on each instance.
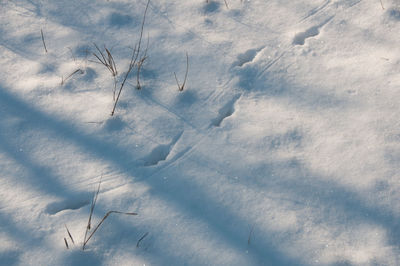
(247, 57)
(225, 111)
(161, 152)
(72, 204)
(301, 37)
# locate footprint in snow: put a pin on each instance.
(247, 57)
(70, 204)
(226, 111)
(301, 37)
(161, 152)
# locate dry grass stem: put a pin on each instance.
(92, 206)
(134, 58)
(80, 71)
(181, 87)
(66, 243)
(140, 240)
(226, 4)
(102, 220)
(131, 66)
(44, 43)
(69, 234)
(107, 60)
(140, 64)
(89, 225)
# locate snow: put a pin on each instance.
(282, 149)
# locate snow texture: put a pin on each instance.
(282, 149)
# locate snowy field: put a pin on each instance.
(283, 148)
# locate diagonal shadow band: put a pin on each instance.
(268, 254)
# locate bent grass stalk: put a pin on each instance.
(134, 58)
(102, 220)
(107, 60)
(181, 87)
(44, 43)
(88, 233)
(140, 64)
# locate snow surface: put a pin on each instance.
(282, 149)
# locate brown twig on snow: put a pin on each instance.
(92, 206)
(44, 43)
(131, 65)
(140, 64)
(69, 234)
(140, 240)
(70, 75)
(107, 60)
(134, 58)
(89, 225)
(181, 87)
(102, 220)
(226, 4)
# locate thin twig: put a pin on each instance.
(102, 220)
(69, 234)
(92, 206)
(181, 87)
(140, 64)
(226, 4)
(135, 56)
(131, 65)
(109, 62)
(70, 75)
(44, 43)
(141, 30)
(140, 240)
(383, 8)
(66, 243)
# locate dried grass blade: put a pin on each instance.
(101, 222)
(140, 240)
(44, 43)
(69, 234)
(66, 243)
(93, 205)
